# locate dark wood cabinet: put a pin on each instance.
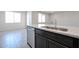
(40, 42)
(45, 39)
(39, 38)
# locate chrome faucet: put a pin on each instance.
(55, 24)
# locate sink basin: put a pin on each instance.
(55, 28)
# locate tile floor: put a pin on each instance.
(13, 39)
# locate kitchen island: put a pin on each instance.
(52, 38)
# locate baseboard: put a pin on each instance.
(12, 29)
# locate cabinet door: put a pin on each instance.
(53, 44)
(40, 42)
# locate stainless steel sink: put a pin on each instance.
(55, 28)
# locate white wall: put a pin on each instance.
(34, 19)
(31, 18)
(6, 26)
(66, 18)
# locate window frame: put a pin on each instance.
(13, 17)
(41, 21)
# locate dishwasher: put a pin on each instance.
(30, 37)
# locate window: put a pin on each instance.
(9, 17)
(17, 17)
(12, 17)
(41, 18)
(39, 25)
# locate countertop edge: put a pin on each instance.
(66, 34)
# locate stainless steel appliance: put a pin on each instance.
(30, 37)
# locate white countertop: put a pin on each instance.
(72, 31)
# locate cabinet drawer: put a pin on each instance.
(53, 44)
(62, 39)
(44, 33)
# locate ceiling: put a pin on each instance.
(40, 11)
(49, 12)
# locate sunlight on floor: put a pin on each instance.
(15, 39)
